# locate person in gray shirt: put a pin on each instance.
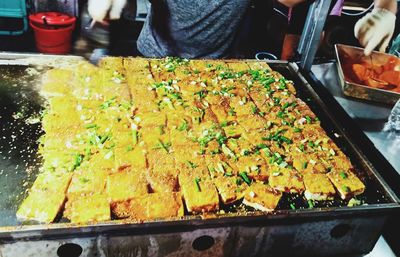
(207, 29)
(186, 28)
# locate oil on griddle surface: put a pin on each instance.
(146, 139)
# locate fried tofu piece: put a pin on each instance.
(125, 185)
(261, 197)
(228, 189)
(56, 83)
(135, 65)
(164, 205)
(252, 122)
(150, 206)
(135, 208)
(308, 163)
(258, 65)
(111, 63)
(85, 182)
(340, 162)
(318, 187)
(162, 173)
(153, 119)
(255, 167)
(90, 208)
(346, 183)
(198, 191)
(55, 159)
(130, 157)
(233, 129)
(41, 206)
(103, 160)
(237, 66)
(52, 181)
(155, 137)
(286, 180)
(55, 121)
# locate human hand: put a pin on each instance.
(375, 30)
(98, 9)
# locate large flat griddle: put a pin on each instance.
(20, 107)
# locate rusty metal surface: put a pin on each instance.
(352, 89)
(255, 231)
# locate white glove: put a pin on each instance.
(98, 9)
(375, 29)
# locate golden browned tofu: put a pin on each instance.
(150, 206)
(57, 83)
(318, 187)
(87, 181)
(237, 66)
(340, 162)
(346, 183)
(103, 160)
(125, 185)
(261, 197)
(52, 181)
(111, 63)
(90, 208)
(228, 188)
(136, 64)
(308, 163)
(258, 65)
(41, 206)
(148, 134)
(198, 191)
(130, 157)
(255, 167)
(286, 180)
(135, 209)
(162, 174)
(162, 181)
(164, 205)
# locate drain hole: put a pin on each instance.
(69, 250)
(203, 243)
(340, 230)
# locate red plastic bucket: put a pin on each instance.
(53, 31)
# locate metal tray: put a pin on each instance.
(339, 229)
(353, 89)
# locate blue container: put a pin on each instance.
(10, 12)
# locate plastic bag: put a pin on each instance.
(393, 123)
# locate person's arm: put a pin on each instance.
(376, 28)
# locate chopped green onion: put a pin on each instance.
(292, 206)
(297, 130)
(134, 136)
(84, 180)
(191, 164)
(161, 129)
(78, 158)
(89, 126)
(197, 182)
(305, 165)
(346, 189)
(244, 176)
(104, 138)
(343, 175)
(310, 204)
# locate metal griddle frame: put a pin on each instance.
(326, 108)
